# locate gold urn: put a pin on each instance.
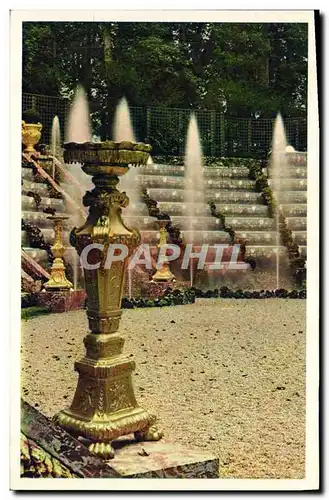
(104, 406)
(31, 133)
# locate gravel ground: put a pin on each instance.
(223, 376)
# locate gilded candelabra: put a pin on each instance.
(163, 274)
(58, 279)
(104, 406)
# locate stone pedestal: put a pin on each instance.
(161, 459)
(62, 300)
(155, 290)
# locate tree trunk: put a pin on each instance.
(105, 29)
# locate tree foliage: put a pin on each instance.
(241, 69)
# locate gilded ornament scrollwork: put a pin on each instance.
(86, 399)
(118, 395)
(101, 402)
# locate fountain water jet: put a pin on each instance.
(75, 264)
(78, 124)
(193, 179)
(129, 284)
(278, 171)
(55, 141)
(78, 130)
(123, 131)
(130, 183)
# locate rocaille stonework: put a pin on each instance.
(104, 406)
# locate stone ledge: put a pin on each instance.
(152, 459)
(161, 459)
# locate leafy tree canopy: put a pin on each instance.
(241, 69)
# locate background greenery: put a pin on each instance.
(246, 70)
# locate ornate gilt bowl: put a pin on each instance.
(108, 157)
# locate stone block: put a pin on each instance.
(62, 300)
(161, 459)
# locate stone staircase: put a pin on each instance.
(236, 198)
(293, 198)
(230, 188)
(30, 214)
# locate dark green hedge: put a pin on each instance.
(208, 161)
(176, 297)
(170, 298)
(188, 296)
(154, 211)
(226, 293)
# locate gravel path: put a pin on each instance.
(224, 376)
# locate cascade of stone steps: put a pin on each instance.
(39, 218)
(236, 198)
(293, 197)
(230, 188)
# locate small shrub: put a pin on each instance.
(31, 312)
(27, 300)
(224, 292)
(31, 116)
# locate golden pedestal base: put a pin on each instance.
(104, 406)
(163, 274)
(58, 279)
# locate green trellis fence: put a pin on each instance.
(165, 128)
